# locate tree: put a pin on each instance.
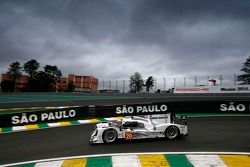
(245, 78)
(71, 87)
(158, 91)
(14, 72)
(41, 82)
(53, 73)
(7, 86)
(149, 83)
(31, 67)
(136, 83)
(46, 80)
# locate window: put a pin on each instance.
(133, 125)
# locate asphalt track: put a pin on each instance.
(219, 134)
(144, 98)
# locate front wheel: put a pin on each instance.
(109, 136)
(171, 132)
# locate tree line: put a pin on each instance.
(38, 81)
(47, 79)
(137, 83)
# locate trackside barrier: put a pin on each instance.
(88, 112)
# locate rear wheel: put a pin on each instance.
(109, 136)
(171, 132)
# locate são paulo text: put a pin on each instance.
(141, 109)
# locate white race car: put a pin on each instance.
(139, 127)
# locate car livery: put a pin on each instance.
(140, 127)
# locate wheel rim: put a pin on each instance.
(171, 132)
(110, 136)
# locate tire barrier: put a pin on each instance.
(88, 112)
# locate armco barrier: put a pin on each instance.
(85, 112)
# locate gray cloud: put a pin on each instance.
(112, 39)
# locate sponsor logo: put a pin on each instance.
(192, 89)
(233, 107)
(228, 89)
(128, 135)
(141, 109)
(50, 116)
(243, 89)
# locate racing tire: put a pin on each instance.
(109, 136)
(171, 132)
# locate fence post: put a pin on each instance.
(116, 84)
(155, 84)
(174, 82)
(235, 79)
(123, 86)
(220, 78)
(195, 81)
(164, 84)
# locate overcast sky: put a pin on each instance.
(112, 39)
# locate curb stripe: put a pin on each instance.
(54, 124)
(43, 125)
(49, 164)
(125, 161)
(83, 121)
(34, 126)
(66, 123)
(178, 160)
(74, 122)
(19, 128)
(8, 129)
(99, 161)
(94, 120)
(206, 160)
(75, 163)
(236, 161)
(153, 160)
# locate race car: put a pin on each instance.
(139, 127)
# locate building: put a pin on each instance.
(81, 83)
(21, 82)
(62, 85)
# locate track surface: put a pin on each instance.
(147, 98)
(205, 134)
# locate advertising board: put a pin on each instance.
(86, 112)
